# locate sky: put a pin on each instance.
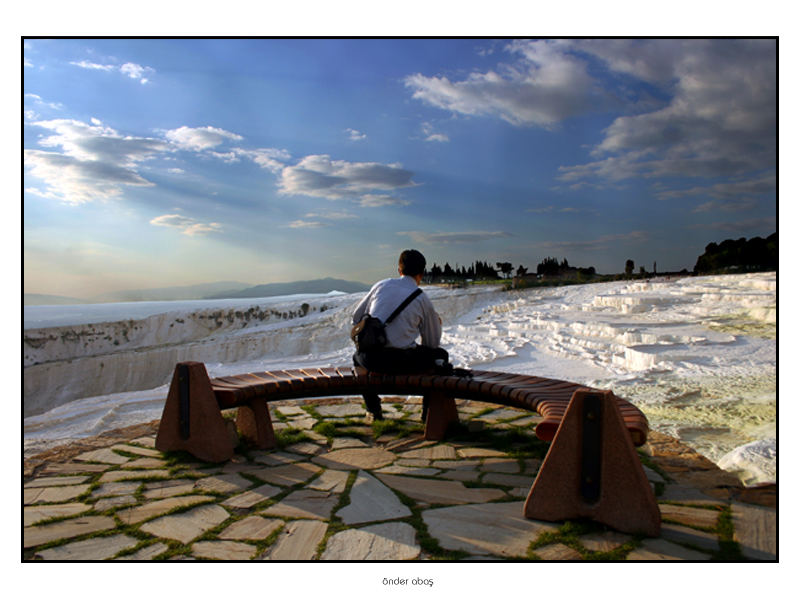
(167, 162)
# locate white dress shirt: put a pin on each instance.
(418, 319)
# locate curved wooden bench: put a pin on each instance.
(251, 391)
(591, 469)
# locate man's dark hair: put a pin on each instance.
(412, 263)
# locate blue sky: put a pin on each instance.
(158, 162)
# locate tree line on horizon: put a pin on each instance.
(728, 256)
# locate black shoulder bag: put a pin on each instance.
(370, 332)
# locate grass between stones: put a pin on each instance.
(515, 442)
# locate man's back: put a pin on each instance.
(418, 318)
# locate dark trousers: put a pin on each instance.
(401, 361)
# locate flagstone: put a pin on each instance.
(275, 459)
(355, 458)
(54, 494)
(413, 443)
(103, 455)
(133, 475)
(304, 504)
(251, 528)
(157, 507)
(414, 462)
(686, 515)
(252, 497)
(505, 479)
(305, 448)
(223, 484)
(116, 488)
(434, 491)
(438, 452)
(223, 550)
(690, 537)
(652, 475)
(658, 549)
(502, 414)
(531, 465)
(149, 441)
(56, 481)
(460, 475)
(187, 526)
(527, 421)
(755, 530)
(456, 464)
(145, 463)
(475, 452)
(604, 541)
(97, 548)
(69, 468)
(113, 502)
(347, 442)
(287, 475)
(686, 494)
(167, 488)
(386, 541)
(557, 552)
(371, 500)
(146, 553)
(306, 423)
(501, 465)
(34, 514)
(149, 452)
(330, 481)
(290, 410)
(499, 528)
(342, 410)
(403, 470)
(37, 535)
(298, 541)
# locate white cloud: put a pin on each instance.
(186, 225)
(199, 138)
(543, 86)
(85, 64)
(437, 137)
(319, 176)
(272, 159)
(355, 135)
(132, 70)
(732, 191)
(333, 215)
(135, 71)
(463, 237)
(719, 121)
(94, 161)
(302, 224)
(602, 243)
(378, 200)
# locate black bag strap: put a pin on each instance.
(405, 303)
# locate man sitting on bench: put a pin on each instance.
(401, 354)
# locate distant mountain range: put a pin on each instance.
(49, 299)
(207, 291)
(315, 286)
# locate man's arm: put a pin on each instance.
(361, 309)
(431, 326)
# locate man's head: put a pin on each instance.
(411, 263)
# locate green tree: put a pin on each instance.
(629, 267)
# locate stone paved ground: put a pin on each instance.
(339, 488)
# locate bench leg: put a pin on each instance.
(255, 425)
(441, 413)
(191, 420)
(593, 471)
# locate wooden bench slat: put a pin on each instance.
(548, 397)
